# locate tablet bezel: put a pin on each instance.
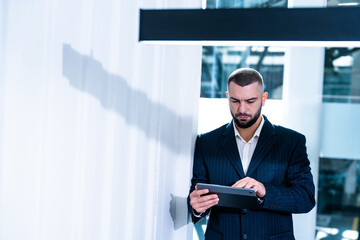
(243, 198)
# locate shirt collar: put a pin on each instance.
(256, 134)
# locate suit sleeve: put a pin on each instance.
(297, 193)
(200, 175)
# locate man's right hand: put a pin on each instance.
(202, 203)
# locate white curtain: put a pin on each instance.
(96, 129)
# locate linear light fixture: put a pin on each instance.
(348, 4)
(255, 26)
(260, 43)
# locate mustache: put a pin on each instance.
(242, 115)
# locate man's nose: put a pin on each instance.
(242, 107)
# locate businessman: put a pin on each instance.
(250, 152)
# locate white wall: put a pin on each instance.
(340, 131)
(97, 130)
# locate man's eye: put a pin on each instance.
(250, 101)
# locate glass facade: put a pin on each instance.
(338, 208)
(342, 75)
(219, 62)
(343, 3)
(245, 3)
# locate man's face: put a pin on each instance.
(245, 103)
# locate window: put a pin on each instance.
(219, 62)
(338, 199)
(342, 75)
(343, 3)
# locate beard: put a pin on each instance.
(248, 123)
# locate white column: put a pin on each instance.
(302, 99)
(302, 96)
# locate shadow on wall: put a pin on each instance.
(156, 120)
(178, 221)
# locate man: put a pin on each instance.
(250, 152)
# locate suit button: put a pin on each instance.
(245, 236)
(243, 211)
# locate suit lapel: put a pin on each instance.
(229, 145)
(266, 140)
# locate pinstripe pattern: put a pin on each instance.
(280, 162)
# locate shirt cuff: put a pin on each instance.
(198, 215)
(260, 200)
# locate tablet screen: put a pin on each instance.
(234, 197)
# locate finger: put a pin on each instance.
(203, 201)
(202, 207)
(247, 179)
(196, 200)
(244, 181)
(198, 193)
(208, 197)
(253, 184)
(235, 184)
(241, 183)
(260, 190)
(207, 202)
(256, 188)
(202, 192)
(250, 184)
(211, 204)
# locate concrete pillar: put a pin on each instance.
(302, 99)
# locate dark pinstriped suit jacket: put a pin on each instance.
(280, 162)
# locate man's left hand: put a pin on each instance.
(251, 183)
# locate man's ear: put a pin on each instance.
(263, 98)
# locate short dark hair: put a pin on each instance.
(246, 76)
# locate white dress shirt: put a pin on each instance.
(246, 149)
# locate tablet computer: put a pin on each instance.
(234, 197)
